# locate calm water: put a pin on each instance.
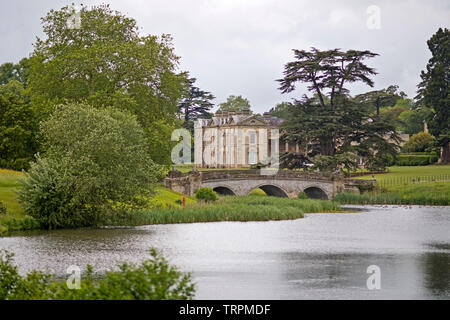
(323, 256)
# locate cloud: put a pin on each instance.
(239, 47)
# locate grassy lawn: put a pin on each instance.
(399, 187)
(411, 171)
(9, 181)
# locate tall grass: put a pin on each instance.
(250, 208)
(417, 198)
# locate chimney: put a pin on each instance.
(266, 115)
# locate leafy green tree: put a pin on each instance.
(92, 159)
(10, 71)
(381, 98)
(196, 104)
(413, 120)
(331, 123)
(434, 90)
(235, 103)
(419, 142)
(18, 127)
(105, 62)
(280, 110)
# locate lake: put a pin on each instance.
(323, 256)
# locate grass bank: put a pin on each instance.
(249, 208)
(407, 185)
(166, 207)
(15, 218)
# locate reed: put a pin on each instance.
(250, 208)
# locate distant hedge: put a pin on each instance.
(416, 159)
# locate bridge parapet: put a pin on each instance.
(256, 174)
(284, 182)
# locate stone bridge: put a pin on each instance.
(285, 183)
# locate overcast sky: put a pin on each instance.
(240, 46)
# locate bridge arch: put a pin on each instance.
(272, 190)
(316, 192)
(225, 191)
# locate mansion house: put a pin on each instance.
(238, 140)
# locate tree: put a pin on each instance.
(196, 104)
(10, 71)
(92, 159)
(413, 121)
(18, 127)
(280, 110)
(331, 123)
(381, 98)
(105, 62)
(434, 90)
(419, 142)
(235, 103)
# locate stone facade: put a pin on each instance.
(237, 140)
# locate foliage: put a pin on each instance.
(419, 142)
(281, 110)
(294, 160)
(302, 195)
(331, 123)
(235, 103)
(153, 279)
(405, 159)
(92, 156)
(337, 162)
(379, 99)
(18, 127)
(206, 194)
(196, 104)
(14, 71)
(413, 120)
(106, 62)
(434, 89)
(232, 208)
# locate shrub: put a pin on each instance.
(92, 158)
(419, 142)
(206, 194)
(302, 195)
(423, 159)
(154, 279)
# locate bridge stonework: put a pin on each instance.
(284, 183)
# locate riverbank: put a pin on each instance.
(166, 207)
(248, 208)
(408, 185)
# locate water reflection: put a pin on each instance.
(324, 256)
(436, 270)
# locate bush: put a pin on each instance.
(92, 158)
(419, 142)
(154, 279)
(302, 195)
(206, 194)
(2, 208)
(407, 159)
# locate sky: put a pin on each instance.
(239, 47)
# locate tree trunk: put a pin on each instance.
(445, 153)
